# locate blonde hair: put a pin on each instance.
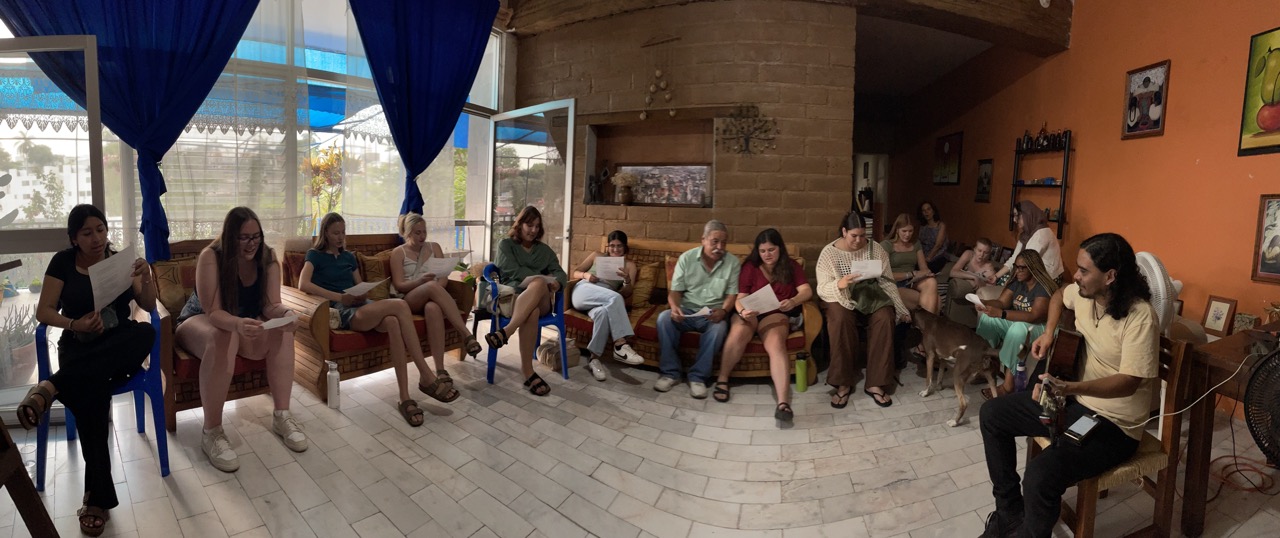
(407, 221)
(901, 222)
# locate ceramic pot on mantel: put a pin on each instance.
(625, 197)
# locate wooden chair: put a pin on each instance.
(1154, 455)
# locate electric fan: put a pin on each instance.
(1262, 405)
(1164, 290)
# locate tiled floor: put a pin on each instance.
(612, 459)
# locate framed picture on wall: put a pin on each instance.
(1260, 120)
(1219, 314)
(1145, 97)
(684, 185)
(1266, 244)
(946, 161)
(985, 167)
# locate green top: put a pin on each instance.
(517, 264)
(902, 262)
(701, 287)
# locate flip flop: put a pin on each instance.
(875, 397)
(537, 386)
(721, 388)
(841, 399)
(411, 412)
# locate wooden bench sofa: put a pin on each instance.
(655, 261)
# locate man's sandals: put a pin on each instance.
(35, 404)
(497, 339)
(93, 519)
(720, 391)
(537, 386)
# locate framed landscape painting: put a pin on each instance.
(686, 185)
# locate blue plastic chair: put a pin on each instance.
(555, 318)
(147, 382)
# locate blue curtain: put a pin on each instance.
(424, 56)
(157, 61)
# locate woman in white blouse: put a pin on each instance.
(1034, 234)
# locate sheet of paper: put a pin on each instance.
(763, 300)
(699, 314)
(441, 267)
(279, 322)
(867, 268)
(363, 287)
(607, 267)
(973, 299)
(111, 276)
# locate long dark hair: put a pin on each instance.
(527, 215)
(322, 238)
(1032, 220)
(76, 219)
(937, 217)
(621, 237)
(782, 269)
(852, 220)
(1110, 251)
(227, 248)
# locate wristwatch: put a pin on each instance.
(1004, 314)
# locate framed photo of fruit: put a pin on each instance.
(1145, 98)
(1260, 121)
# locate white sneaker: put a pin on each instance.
(597, 370)
(287, 427)
(218, 449)
(627, 355)
(698, 389)
(664, 384)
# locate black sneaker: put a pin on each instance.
(1001, 526)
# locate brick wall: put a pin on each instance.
(794, 59)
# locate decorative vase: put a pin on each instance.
(625, 197)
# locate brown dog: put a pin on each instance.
(962, 350)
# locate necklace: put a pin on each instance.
(1097, 319)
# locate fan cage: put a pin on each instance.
(1262, 405)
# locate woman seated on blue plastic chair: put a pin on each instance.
(237, 288)
(525, 262)
(97, 352)
(328, 272)
(1017, 318)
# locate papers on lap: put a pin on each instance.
(704, 312)
(279, 322)
(868, 269)
(441, 267)
(363, 288)
(763, 300)
(607, 267)
(111, 276)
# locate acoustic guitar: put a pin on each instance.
(1063, 362)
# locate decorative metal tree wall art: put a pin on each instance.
(746, 132)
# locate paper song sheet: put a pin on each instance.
(607, 267)
(111, 276)
(763, 300)
(973, 299)
(363, 288)
(279, 322)
(704, 312)
(868, 269)
(441, 267)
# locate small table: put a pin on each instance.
(1212, 363)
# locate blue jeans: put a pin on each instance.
(669, 337)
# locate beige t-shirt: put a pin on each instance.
(1130, 345)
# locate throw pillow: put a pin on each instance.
(293, 262)
(374, 268)
(175, 281)
(646, 280)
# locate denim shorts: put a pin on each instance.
(345, 313)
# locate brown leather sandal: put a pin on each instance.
(31, 411)
(411, 412)
(441, 389)
(537, 386)
(89, 515)
(472, 346)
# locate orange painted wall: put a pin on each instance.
(1184, 196)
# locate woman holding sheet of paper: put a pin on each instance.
(768, 266)
(237, 289)
(413, 280)
(99, 349)
(329, 272)
(855, 297)
(532, 268)
(607, 280)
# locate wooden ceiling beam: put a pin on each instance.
(1019, 24)
(537, 16)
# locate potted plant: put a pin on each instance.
(17, 346)
(35, 286)
(624, 181)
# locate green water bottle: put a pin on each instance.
(802, 371)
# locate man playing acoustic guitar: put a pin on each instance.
(1111, 302)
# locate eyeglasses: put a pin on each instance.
(1021, 268)
(250, 238)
